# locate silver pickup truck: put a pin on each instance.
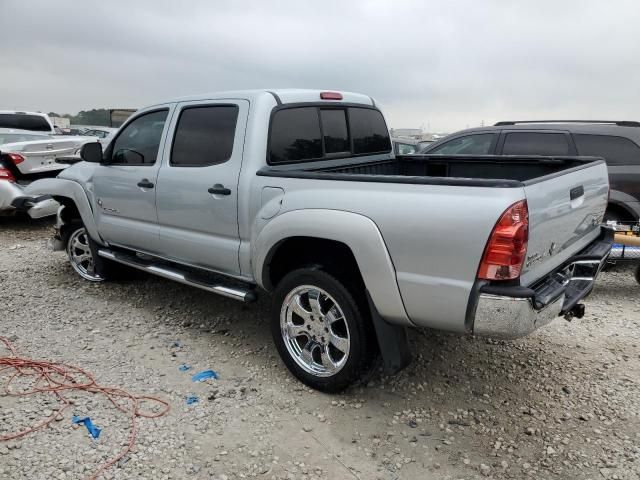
(298, 193)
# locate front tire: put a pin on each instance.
(82, 251)
(322, 335)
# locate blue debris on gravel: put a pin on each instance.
(86, 421)
(184, 368)
(191, 399)
(204, 375)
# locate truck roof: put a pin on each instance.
(281, 95)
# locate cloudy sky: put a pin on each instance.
(444, 65)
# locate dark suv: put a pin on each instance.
(617, 142)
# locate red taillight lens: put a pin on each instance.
(330, 96)
(6, 175)
(506, 249)
(16, 158)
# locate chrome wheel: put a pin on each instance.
(81, 257)
(315, 331)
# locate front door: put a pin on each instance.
(197, 191)
(124, 186)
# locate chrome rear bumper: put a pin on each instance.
(514, 311)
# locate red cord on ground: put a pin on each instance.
(57, 378)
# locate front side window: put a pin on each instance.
(295, 135)
(204, 136)
(533, 143)
(139, 142)
(615, 150)
(478, 144)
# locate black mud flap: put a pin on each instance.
(392, 340)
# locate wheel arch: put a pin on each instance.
(624, 204)
(71, 196)
(348, 236)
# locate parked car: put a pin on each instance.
(618, 142)
(99, 132)
(404, 146)
(34, 121)
(28, 156)
(298, 193)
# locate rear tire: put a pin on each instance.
(322, 334)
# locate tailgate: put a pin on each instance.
(565, 212)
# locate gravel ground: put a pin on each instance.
(560, 404)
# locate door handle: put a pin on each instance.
(218, 189)
(144, 183)
(576, 192)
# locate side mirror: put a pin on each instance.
(91, 152)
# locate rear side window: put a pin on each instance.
(204, 136)
(295, 135)
(530, 143)
(615, 150)
(369, 132)
(301, 134)
(24, 122)
(478, 144)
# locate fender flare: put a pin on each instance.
(356, 231)
(625, 201)
(57, 188)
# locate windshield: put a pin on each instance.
(20, 137)
(24, 121)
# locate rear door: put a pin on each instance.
(623, 159)
(197, 194)
(124, 187)
(565, 209)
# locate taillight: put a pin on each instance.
(506, 249)
(330, 96)
(16, 158)
(6, 175)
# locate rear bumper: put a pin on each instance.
(515, 311)
(13, 199)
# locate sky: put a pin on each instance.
(442, 66)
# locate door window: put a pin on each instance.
(204, 136)
(615, 150)
(477, 144)
(139, 142)
(536, 143)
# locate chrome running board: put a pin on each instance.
(214, 284)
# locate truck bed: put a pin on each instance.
(436, 213)
(463, 170)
